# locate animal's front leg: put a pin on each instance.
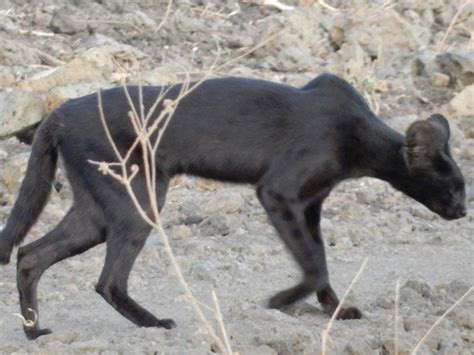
(326, 296)
(298, 226)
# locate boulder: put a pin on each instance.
(63, 23)
(463, 103)
(59, 94)
(92, 65)
(458, 65)
(19, 111)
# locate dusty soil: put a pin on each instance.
(219, 232)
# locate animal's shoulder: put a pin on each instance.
(337, 87)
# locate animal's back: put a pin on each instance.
(224, 129)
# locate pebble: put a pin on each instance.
(440, 79)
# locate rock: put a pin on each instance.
(141, 21)
(98, 40)
(19, 111)
(413, 323)
(72, 288)
(203, 271)
(336, 36)
(230, 203)
(422, 288)
(63, 23)
(7, 75)
(464, 317)
(216, 224)
(384, 34)
(440, 79)
(299, 46)
(13, 172)
(92, 65)
(458, 65)
(114, 5)
(16, 53)
(401, 123)
(463, 103)
(160, 76)
(180, 232)
(8, 25)
(95, 346)
(59, 94)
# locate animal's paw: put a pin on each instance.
(5, 252)
(280, 300)
(32, 334)
(349, 313)
(166, 323)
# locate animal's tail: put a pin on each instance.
(34, 191)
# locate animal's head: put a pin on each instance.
(436, 180)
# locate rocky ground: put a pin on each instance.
(402, 55)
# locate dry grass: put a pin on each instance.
(439, 320)
(325, 333)
(463, 4)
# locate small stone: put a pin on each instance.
(180, 232)
(440, 79)
(336, 36)
(231, 203)
(459, 65)
(463, 103)
(413, 323)
(464, 318)
(64, 23)
(72, 288)
(90, 346)
(114, 5)
(208, 185)
(142, 21)
(381, 86)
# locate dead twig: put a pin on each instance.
(441, 44)
(49, 59)
(397, 315)
(165, 17)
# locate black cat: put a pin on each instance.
(293, 144)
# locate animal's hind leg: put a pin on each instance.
(125, 240)
(124, 243)
(73, 235)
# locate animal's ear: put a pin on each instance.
(442, 127)
(424, 140)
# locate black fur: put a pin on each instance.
(293, 144)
